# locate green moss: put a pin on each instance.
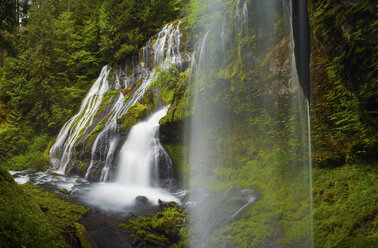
(80, 233)
(155, 239)
(170, 84)
(107, 99)
(22, 222)
(133, 115)
(83, 165)
(90, 140)
(61, 214)
(98, 128)
(126, 98)
(345, 209)
(64, 191)
(165, 227)
(111, 77)
(181, 166)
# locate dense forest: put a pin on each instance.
(52, 51)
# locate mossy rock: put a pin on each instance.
(155, 239)
(133, 115)
(166, 227)
(83, 166)
(64, 191)
(22, 221)
(80, 233)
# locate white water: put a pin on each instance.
(137, 173)
(115, 197)
(242, 18)
(138, 161)
(63, 149)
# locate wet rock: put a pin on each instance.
(141, 198)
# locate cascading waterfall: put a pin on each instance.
(139, 155)
(90, 143)
(249, 141)
(137, 171)
(62, 152)
(96, 130)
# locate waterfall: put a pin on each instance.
(137, 171)
(96, 131)
(139, 155)
(250, 176)
(62, 152)
(241, 15)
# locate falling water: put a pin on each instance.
(62, 151)
(139, 155)
(250, 176)
(137, 171)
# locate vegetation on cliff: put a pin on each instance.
(344, 119)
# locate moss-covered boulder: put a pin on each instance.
(166, 228)
(22, 221)
(31, 217)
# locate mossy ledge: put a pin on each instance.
(31, 217)
(133, 115)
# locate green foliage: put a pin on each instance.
(57, 54)
(344, 86)
(126, 25)
(34, 156)
(166, 227)
(345, 213)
